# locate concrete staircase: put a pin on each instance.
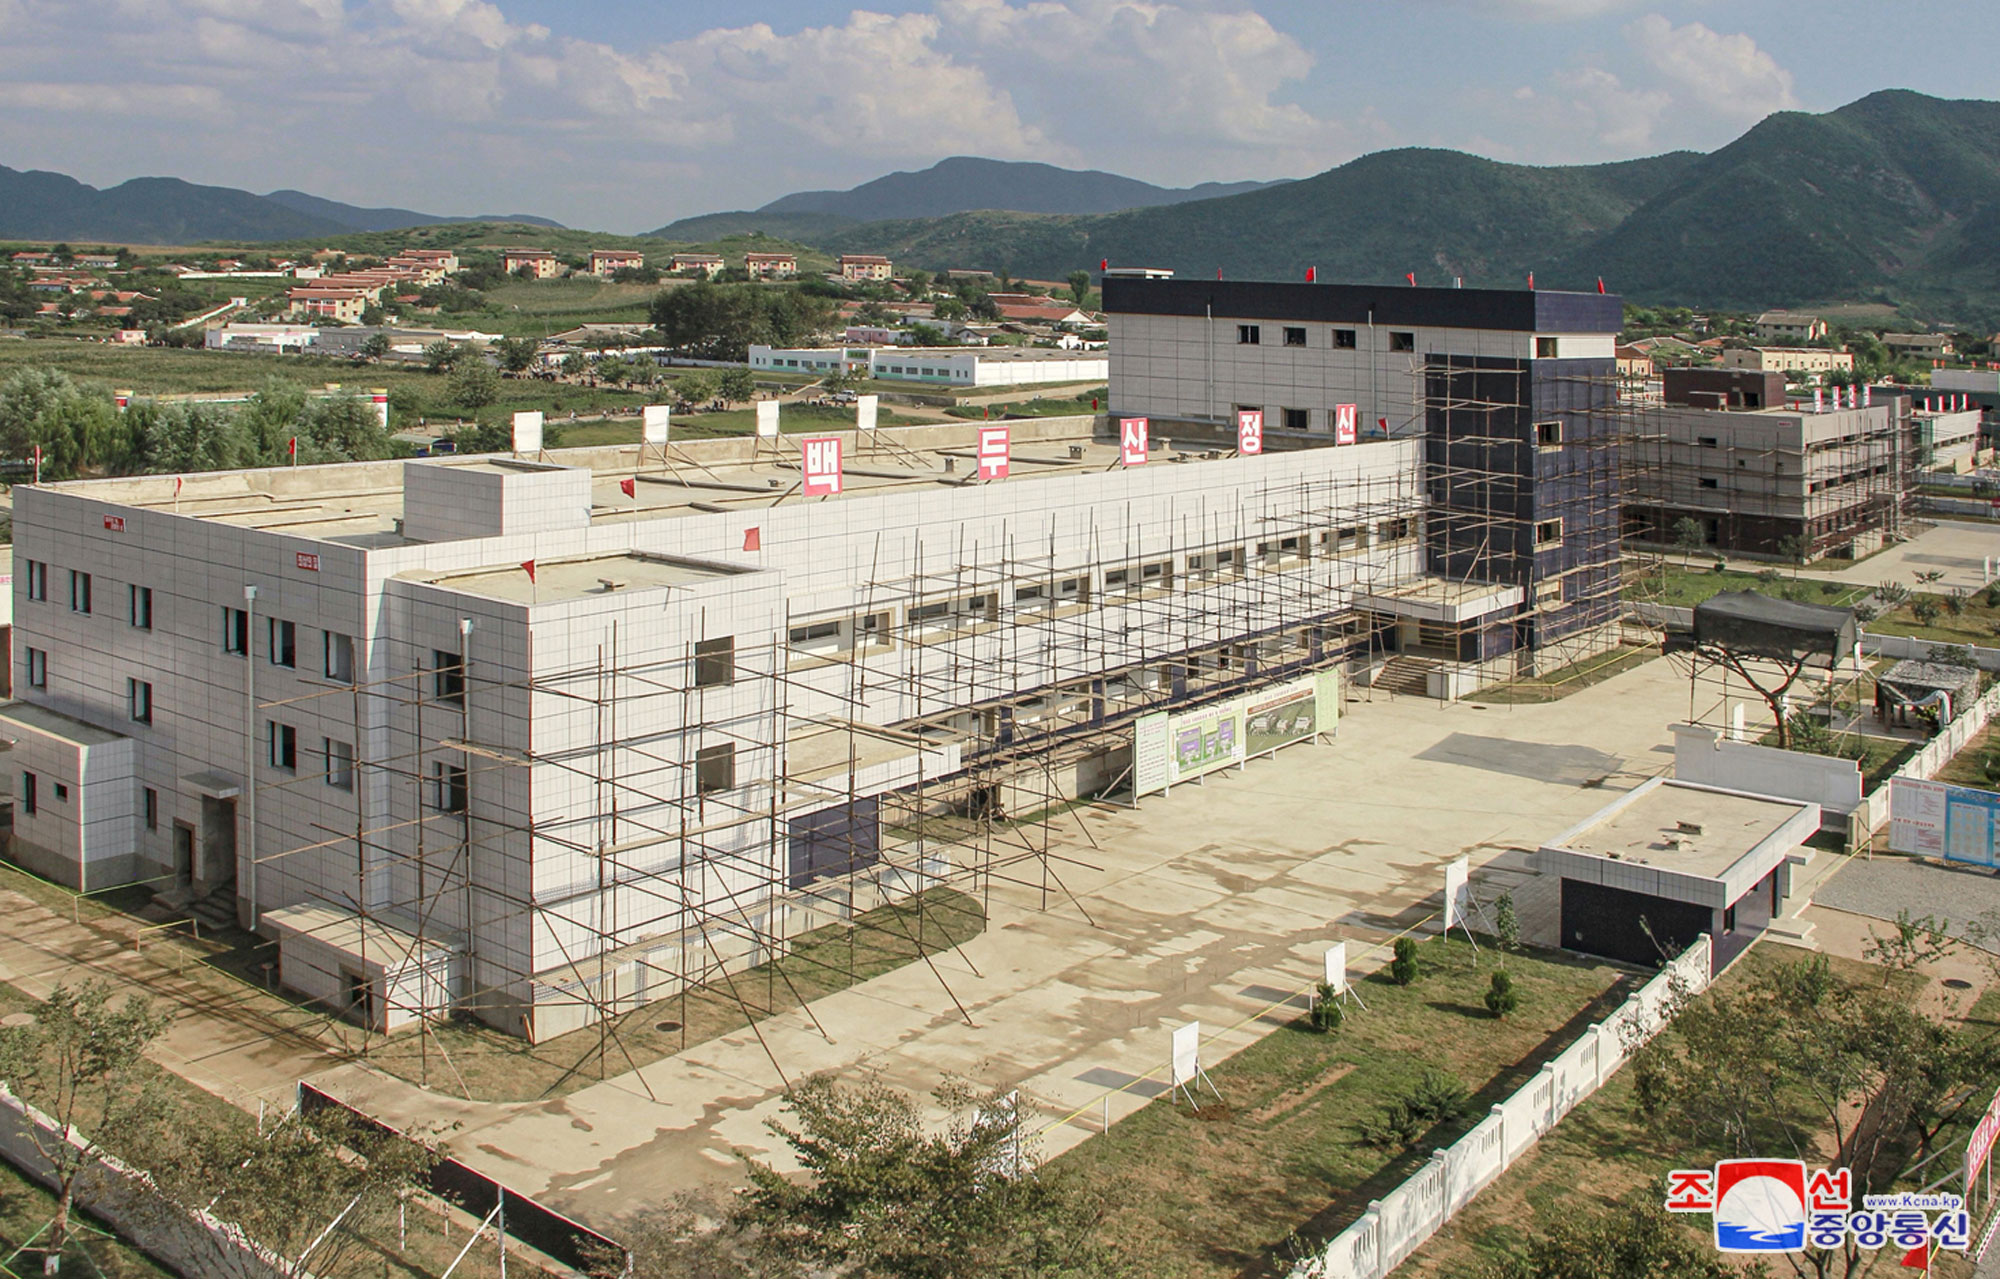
(214, 910)
(1409, 676)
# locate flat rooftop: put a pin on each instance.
(1690, 829)
(18, 715)
(556, 581)
(361, 503)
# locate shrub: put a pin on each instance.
(1892, 593)
(1404, 969)
(1956, 599)
(1993, 595)
(1507, 923)
(1925, 609)
(1501, 997)
(1829, 589)
(1437, 1097)
(1327, 1010)
(1720, 565)
(1770, 577)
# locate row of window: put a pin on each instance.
(1343, 339)
(31, 798)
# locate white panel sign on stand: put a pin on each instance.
(653, 424)
(1457, 892)
(528, 432)
(767, 419)
(865, 409)
(1336, 968)
(1185, 1064)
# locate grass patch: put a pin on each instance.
(1879, 757)
(1977, 622)
(541, 308)
(1036, 406)
(1560, 683)
(1220, 1193)
(1600, 1152)
(1684, 587)
(493, 1066)
(1976, 764)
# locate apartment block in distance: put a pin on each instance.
(1511, 397)
(1761, 472)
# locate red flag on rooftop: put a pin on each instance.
(1312, 274)
(629, 487)
(1600, 284)
(751, 539)
(1104, 264)
(1411, 276)
(1218, 273)
(528, 567)
(1531, 280)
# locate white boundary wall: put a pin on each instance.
(189, 1243)
(1398, 1224)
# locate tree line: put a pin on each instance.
(81, 432)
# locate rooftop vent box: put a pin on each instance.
(452, 499)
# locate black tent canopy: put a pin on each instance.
(1753, 625)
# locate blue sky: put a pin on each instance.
(623, 114)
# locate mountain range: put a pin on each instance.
(1893, 198)
(38, 205)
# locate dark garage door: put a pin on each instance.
(1614, 923)
(835, 841)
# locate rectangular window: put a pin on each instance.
(339, 764)
(715, 768)
(1549, 435)
(930, 612)
(1548, 532)
(715, 662)
(448, 787)
(283, 740)
(1031, 595)
(62, 792)
(1549, 594)
(1710, 482)
(1298, 419)
(339, 657)
(38, 668)
(448, 676)
(1116, 578)
(1708, 441)
(1294, 336)
(281, 641)
(1396, 530)
(142, 607)
(38, 580)
(79, 592)
(1249, 334)
(152, 809)
(1344, 340)
(1073, 590)
(139, 700)
(235, 631)
(30, 792)
(1545, 348)
(1402, 341)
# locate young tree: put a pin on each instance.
(516, 354)
(1404, 969)
(736, 386)
(474, 384)
(1794, 547)
(696, 388)
(375, 346)
(1688, 536)
(1501, 997)
(1327, 1011)
(441, 355)
(81, 1061)
(315, 1190)
(884, 1195)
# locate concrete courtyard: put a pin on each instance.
(1210, 904)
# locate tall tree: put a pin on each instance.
(1079, 286)
(43, 407)
(81, 1061)
(474, 384)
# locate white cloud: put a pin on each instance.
(1544, 10)
(1726, 75)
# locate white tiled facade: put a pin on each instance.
(581, 714)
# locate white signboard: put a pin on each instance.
(1344, 423)
(993, 452)
(1152, 751)
(1457, 891)
(1187, 1054)
(1250, 432)
(1916, 816)
(528, 432)
(767, 419)
(1132, 441)
(653, 424)
(865, 409)
(1336, 968)
(821, 460)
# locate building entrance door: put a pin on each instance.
(217, 864)
(183, 854)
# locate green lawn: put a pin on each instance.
(492, 1066)
(540, 308)
(1879, 757)
(1679, 587)
(1035, 406)
(1219, 1192)
(1977, 764)
(1977, 622)
(1560, 683)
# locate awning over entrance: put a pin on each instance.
(1432, 599)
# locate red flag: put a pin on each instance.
(528, 567)
(630, 488)
(1383, 423)
(1218, 273)
(1918, 1258)
(1531, 280)
(1104, 264)
(178, 481)
(1600, 284)
(751, 540)
(1312, 274)
(293, 446)
(1411, 276)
